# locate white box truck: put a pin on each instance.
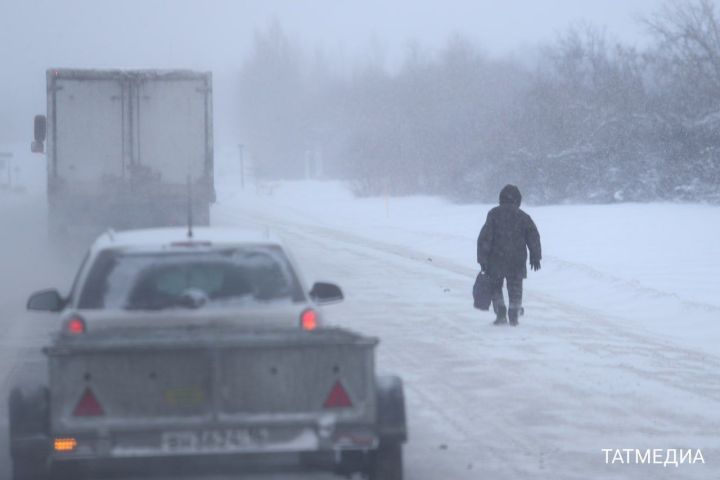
(126, 149)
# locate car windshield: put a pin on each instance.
(156, 281)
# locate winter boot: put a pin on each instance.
(513, 314)
(501, 316)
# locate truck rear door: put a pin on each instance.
(173, 126)
(87, 137)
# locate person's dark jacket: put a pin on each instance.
(505, 238)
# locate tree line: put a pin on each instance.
(593, 120)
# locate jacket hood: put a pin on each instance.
(510, 195)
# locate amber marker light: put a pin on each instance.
(65, 444)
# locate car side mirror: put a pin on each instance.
(46, 301)
(40, 132)
(323, 292)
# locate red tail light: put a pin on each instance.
(338, 397)
(75, 325)
(88, 406)
(308, 319)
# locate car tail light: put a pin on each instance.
(308, 319)
(65, 444)
(75, 325)
(338, 397)
(88, 406)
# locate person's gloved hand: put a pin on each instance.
(535, 264)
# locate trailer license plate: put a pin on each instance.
(227, 440)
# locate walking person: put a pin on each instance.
(502, 252)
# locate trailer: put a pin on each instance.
(236, 400)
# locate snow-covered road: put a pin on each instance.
(540, 401)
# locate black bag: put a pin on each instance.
(482, 292)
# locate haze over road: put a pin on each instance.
(536, 402)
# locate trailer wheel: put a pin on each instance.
(386, 462)
(391, 420)
(29, 416)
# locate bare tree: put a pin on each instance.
(687, 53)
(686, 57)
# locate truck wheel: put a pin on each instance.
(386, 462)
(29, 416)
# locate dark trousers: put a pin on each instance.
(515, 290)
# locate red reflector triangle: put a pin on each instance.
(338, 397)
(88, 406)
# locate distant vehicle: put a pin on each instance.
(207, 351)
(126, 149)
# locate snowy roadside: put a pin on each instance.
(649, 267)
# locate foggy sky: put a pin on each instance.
(217, 34)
